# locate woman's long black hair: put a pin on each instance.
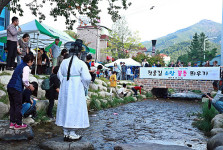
(76, 48)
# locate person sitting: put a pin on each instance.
(217, 101)
(28, 104)
(128, 72)
(136, 88)
(53, 92)
(122, 92)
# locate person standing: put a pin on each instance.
(55, 52)
(189, 64)
(144, 62)
(158, 64)
(20, 78)
(128, 72)
(23, 44)
(124, 68)
(113, 83)
(72, 110)
(39, 62)
(117, 69)
(12, 40)
(61, 57)
(53, 92)
(45, 61)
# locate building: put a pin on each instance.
(92, 36)
(166, 58)
(4, 22)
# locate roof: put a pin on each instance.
(104, 37)
(91, 27)
(142, 49)
(163, 55)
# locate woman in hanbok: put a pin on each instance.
(72, 110)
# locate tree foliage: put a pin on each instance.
(196, 50)
(122, 41)
(151, 60)
(67, 8)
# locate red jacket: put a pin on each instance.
(138, 88)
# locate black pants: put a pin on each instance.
(15, 98)
(134, 90)
(12, 52)
(50, 107)
(2, 66)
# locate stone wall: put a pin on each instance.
(149, 84)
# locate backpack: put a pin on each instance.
(45, 84)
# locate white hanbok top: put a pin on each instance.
(72, 107)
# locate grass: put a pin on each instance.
(128, 100)
(94, 104)
(204, 122)
(196, 91)
(5, 98)
(170, 90)
(41, 116)
(5, 73)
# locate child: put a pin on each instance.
(113, 82)
(136, 88)
(53, 92)
(20, 78)
(123, 91)
(29, 105)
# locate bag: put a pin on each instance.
(45, 84)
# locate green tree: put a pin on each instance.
(195, 51)
(122, 41)
(67, 8)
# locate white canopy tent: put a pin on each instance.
(128, 62)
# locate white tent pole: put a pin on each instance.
(37, 51)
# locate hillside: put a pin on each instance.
(210, 28)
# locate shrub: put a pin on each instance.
(204, 122)
(41, 116)
(149, 95)
(128, 100)
(5, 73)
(197, 91)
(5, 98)
(94, 104)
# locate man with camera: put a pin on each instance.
(217, 101)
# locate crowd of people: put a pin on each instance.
(145, 63)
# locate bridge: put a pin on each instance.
(185, 78)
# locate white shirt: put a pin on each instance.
(128, 72)
(122, 90)
(25, 76)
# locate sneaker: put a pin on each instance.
(12, 126)
(72, 138)
(18, 127)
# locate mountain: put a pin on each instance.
(210, 28)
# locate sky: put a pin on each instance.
(166, 17)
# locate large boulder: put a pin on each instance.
(42, 104)
(99, 81)
(215, 131)
(7, 134)
(149, 146)
(102, 94)
(104, 83)
(28, 121)
(4, 109)
(102, 88)
(5, 79)
(93, 86)
(2, 93)
(215, 141)
(219, 148)
(32, 79)
(189, 95)
(59, 144)
(217, 121)
(41, 93)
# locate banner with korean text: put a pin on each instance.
(185, 73)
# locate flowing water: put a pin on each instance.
(157, 121)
